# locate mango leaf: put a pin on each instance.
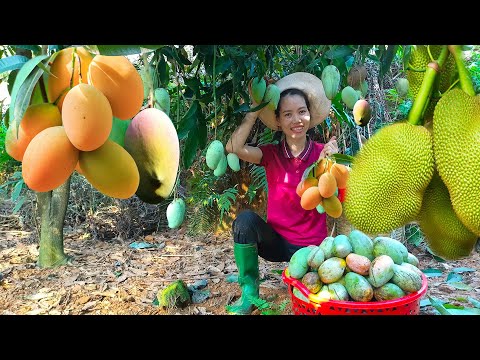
(202, 131)
(256, 108)
(462, 269)
(190, 149)
(386, 59)
(460, 286)
(19, 204)
(20, 78)
(35, 49)
(119, 128)
(242, 108)
(222, 64)
(474, 302)
(17, 190)
(438, 306)
(308, 169)
(339, 52)
(430, 272)
(12, 63)
(454, 277)
(464, 311)
(117, 50)
(188, 121)
(24, 94)
(436, 257)
(343, 158)
(194, 84)
(175, 55)
(163, 71)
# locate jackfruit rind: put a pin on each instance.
(388, 177)
(443, 232)
(456, 134)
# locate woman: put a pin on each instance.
(288, 227)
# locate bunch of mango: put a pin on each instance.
(355, 268)
(72, 130)
(323, 187)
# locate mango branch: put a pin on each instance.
(464, 75)
(415, 116)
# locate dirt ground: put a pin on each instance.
(118, 278)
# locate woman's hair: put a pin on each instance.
(291, 91)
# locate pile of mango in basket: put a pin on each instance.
(356, 268)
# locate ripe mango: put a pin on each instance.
(152, 140)
(111, 170)
(362, 112)
(120, 82)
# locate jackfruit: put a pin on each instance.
(444, 233)
(419, 60)
(456, 144)
(388, 177)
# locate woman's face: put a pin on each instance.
(294, 119)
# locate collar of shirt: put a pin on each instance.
(302, 156)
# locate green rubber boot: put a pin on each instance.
(246, 257)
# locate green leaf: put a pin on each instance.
(20, 78)
(474, 302)
(438, 305)
(194, 84)
(339, 52)
(119, 128)
(202, 134)
(163, 71)
(464, 311)
(460, 286)
(35, 49)
(430, 272)
(190, 149)
(454, 277)
(222, 64)
(258, 107)
(462, 269)
(188, 121)
(12, 63)
(117, 50)
(343, 158)
(175, 55)
(19, 204)
(242, 108)
(386, 59)
(17, 190)
(24, 94)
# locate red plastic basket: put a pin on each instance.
(406, 305)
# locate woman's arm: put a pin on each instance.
(236, 143)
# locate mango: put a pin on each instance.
(152, 140)
(87, 117)
(120, 82)
(175, 213)
(62, 71)
(362, 112)
(214, 154)
(233, 161)
(111, 170)
(49, 160)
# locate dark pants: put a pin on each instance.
(250, 228)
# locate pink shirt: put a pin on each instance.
(284, 213)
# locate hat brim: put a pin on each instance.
(312, 86)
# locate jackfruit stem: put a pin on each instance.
(464, 75)
(415, 116)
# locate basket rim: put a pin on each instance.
(407, 299)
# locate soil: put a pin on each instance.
(113, 277)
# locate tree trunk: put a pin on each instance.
(52, 207)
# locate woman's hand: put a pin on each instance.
(330, 148)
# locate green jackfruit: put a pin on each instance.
(419, 60)
(456, 144)
(444, 233)
(388, 177)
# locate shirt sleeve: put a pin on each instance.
(267, 151)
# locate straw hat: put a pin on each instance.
(312, 86)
